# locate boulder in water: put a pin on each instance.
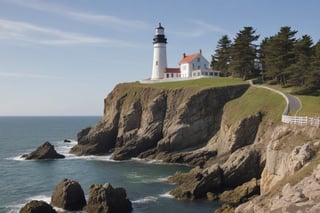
(45, 151)
(104, 198)
(68, 195)
(36, 206)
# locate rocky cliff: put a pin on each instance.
(159, 123)
(250, 155)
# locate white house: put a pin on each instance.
(196, 65)
(190, 66)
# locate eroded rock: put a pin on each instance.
(105, 198)
(45, 151)
(36, 206)
(68, 195)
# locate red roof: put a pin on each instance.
(188, 58)
(172, 70)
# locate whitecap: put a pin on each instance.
(148, 161)
(44, 198)
(17, 158)
(147, 199)
(166, 195)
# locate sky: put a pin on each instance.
(60, 57)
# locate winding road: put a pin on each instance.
(293, 102)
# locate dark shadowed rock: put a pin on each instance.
(241, 193)
(197, 183)
(67, 141)
(68, 195)
(45, 151)
(106, 199)
(36, 206)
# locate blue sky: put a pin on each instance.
(63, 57)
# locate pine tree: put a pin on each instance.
(243, 53)
(298, 71)
(221, 58)
(279, 55)
(313, 78)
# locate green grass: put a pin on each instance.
(270, 104)
(310, 105)
(202, 83)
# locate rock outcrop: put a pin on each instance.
(36, 206)
(197, 183)
(302, 197)
(240, 167)
(105, 198)
(45, 151)
(68, 195)
(283, 158)
(156, 122)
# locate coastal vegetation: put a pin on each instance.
(281, 59)
(255, 100)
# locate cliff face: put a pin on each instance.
(191, 126)
(149, 121)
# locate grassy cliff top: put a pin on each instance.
(202, 83)
(254, 100)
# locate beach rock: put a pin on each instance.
(36, 206)
(68, 195)
(45, 151)
(67, 141)
(197, 183)
(104, 198)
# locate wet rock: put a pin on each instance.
(197, 183)
(36, 206)
(105, 198)
(68, 195)
(45, 151)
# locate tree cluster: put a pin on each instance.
(279, 59)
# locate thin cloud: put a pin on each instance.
(200, 28)
(27, 75)
(100, 19)
(30, 33)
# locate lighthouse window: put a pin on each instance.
(157, 63)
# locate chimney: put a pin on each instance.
(183, 55)
(200, 51)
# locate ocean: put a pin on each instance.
(22, 181)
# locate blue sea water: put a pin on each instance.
(22, 181)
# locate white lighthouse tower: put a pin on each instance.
(159, 54)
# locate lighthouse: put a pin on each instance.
(159, 54)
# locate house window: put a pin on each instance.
(171, 75)
(198, 59)
(199, 67)
(193, 66)
(167, 75)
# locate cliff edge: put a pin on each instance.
(148, 121)
(232, 135)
